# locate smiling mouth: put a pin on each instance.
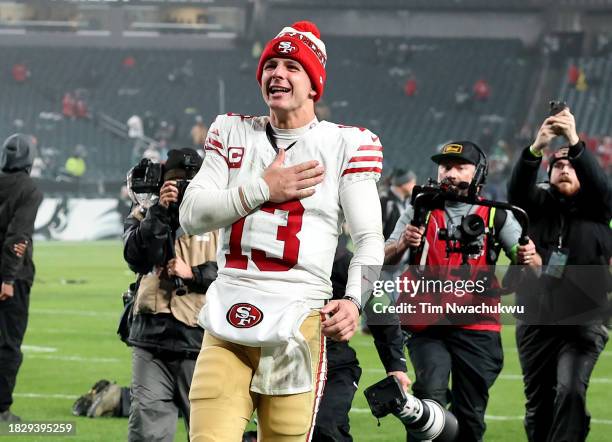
(274, 90)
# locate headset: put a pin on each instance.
(480, 175)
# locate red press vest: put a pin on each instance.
(439, 266)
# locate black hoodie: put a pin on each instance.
(582, 223)
(19, 202)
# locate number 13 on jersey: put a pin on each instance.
(287, 234)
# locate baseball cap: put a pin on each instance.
(458, 150)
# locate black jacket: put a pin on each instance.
(390, 206)
(19, 202)
(388, 339)
(582, 222)
(146, 245)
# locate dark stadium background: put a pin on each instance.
(402, 68)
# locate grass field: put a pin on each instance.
(71, 343)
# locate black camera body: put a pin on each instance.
(190, 165)
(424, 419)
(428, 197)
(181, 186)
(147, 177)
(556, 107)
(467, 235)
(385, 397)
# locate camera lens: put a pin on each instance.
(472, 226)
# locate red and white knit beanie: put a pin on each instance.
(300, 42)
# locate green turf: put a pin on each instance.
(75, 304)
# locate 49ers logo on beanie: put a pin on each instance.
(285, 48)
(300, 42)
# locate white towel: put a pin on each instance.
(285, 369)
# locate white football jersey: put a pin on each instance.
(286, 248)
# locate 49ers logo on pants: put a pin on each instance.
(244, 315)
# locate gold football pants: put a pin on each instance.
(222, 403)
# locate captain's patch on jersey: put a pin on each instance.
(234, 157)
(244, 315)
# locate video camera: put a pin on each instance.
(147, 177)
(467, 235)
(145, 181)
(465, 239)
(423, 419)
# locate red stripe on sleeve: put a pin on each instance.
(360, 159)
(215, 143)
(371, 147)
(208, 146)
(212, 149)
(362, 169)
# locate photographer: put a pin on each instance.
(471, 351)
(19, 202)
(569, 225)
(164, 333)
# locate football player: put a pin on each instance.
(279, 187)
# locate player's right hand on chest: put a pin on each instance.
(294, 182)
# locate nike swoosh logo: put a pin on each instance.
(374, 139)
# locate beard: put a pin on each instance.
(455, 186)
(566, 187)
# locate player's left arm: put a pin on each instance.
(361, 207)
(361, 169)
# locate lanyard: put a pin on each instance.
(560, 243)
